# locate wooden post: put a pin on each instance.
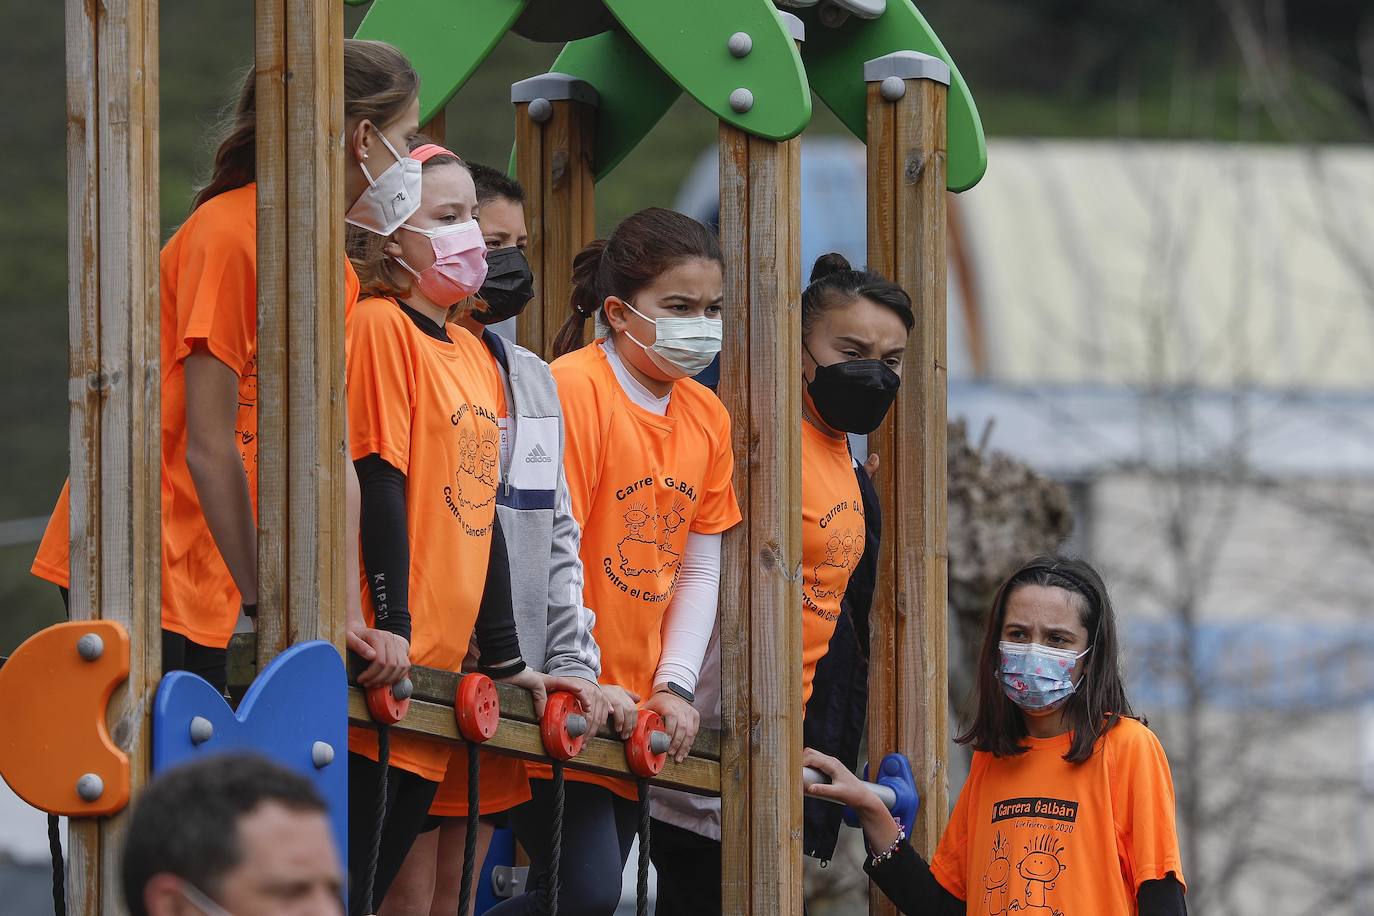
(301, 448)
(436, 128)
(114, 385)
(908, 695)
(760, 611)
(555, 138)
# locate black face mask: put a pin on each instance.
(854, 396)
(509, 286)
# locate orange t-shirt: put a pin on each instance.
(429, 409)
(503, 781)
(639, 482)
(208, 295)
(1037, 834)
(832, 541)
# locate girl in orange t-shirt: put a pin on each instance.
(1069, 804)
(423, 403)
(854, 333)
(649, 469)
(208, 337)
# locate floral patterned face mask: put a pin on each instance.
(1037, 677)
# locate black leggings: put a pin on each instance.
(408, 798)
(181, 654)
(598, 831)
(689, 873)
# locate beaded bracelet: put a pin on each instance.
(891, 851)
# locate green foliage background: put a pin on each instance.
(1215, 69)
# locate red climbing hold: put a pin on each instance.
(477, 707)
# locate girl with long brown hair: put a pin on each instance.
(1069, 803)
(208, 336)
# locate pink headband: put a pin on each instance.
(429, 151)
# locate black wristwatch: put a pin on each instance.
(250, 610)
(677, 690)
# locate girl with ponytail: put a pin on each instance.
(649, 468)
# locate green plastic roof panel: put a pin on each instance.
(446, 40)
(635, 93)
(755, 82)
(834, 62)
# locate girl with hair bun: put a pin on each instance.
(649, 470)
(855, 325)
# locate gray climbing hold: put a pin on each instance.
(659, 742)
(90, 787)
(577, 725)
(321, 754)
(795, 27)
(403, 690)
(741, 100)
(90, 647)
(202, 730)
(740, 44)
(892, 88)
(541, 110)
(832, 16)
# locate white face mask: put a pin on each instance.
(390, 198)
(682, 346)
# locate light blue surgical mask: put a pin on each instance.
(1037, 677)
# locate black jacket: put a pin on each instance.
(836, 712)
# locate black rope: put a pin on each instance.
(470, 839)
(59, 870)
(383, 763)
(555, 842)
(642, 886)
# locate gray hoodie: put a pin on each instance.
(536, 516)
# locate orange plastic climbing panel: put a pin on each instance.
(55, 751)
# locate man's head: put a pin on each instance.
(247, 834)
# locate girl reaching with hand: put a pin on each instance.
(1069, 803)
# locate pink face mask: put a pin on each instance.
(460, 263)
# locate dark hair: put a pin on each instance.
(834, 283)
(186, 820)
(642, 247)
(493, 183)
(1100, 700)
(379, 275)
(379, 84)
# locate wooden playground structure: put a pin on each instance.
(891, 83)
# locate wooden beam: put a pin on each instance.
(760, 615)
(301, 444)
(114, 385)
(555, 138)
(515, 738)
(908, 696)
(435, 686)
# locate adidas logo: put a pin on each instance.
(537, 455)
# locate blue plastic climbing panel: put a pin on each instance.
(295, 713)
